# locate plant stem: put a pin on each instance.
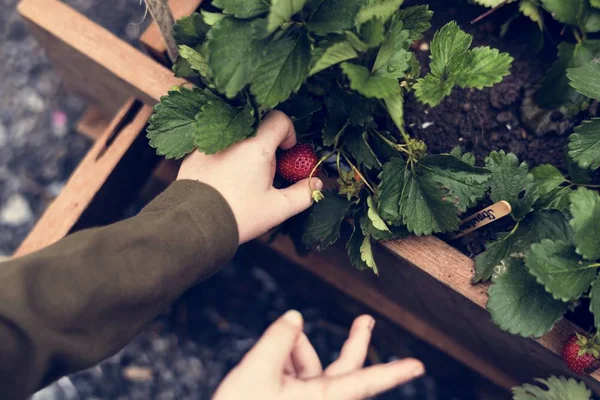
(359, 174)
(321, 161)
(395, 146)
(587, 185)
(489, 12)
(160, 11)
(577, 35)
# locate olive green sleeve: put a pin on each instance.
(82, 299)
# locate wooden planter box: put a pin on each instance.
(424, 283)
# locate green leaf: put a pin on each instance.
(190, 30)
(431, 90)
(360, 250)
(586, 79)
(211, 18)
(381, 9)
(345, 109)
(282, 69)
(584, 145)
(467, 183)
(395, 232)
(531, 9)
(574, 12)
(519, 305)
(372, 32)
(366, 254)
(332, 16)
(196, 60)
(300, 109)
(370, 86)
(395, 108)
(512, 182)
(416, 20)
(172, 126)
(325, 220)
(420, 203)
(555, 89)
(554, 388)
(356, 42)
(595, 302)
(537, 226)
(585, 209)
(331, 54)
(595, 3)
(393, 57)
(557, 199)
(220, 125)
(233, 54)
(486, 67)
(359, 148)
(490, 3)
(562, 272)
(448, 47)
(282, 12)
(374, 217)
(242, 8)
(547, 178)
(182, 69)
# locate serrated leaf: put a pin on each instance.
(531, 9)
(554, 388)
(190, 30)
(547, 178)
(574, 12)
(366, 254)
(381, 9)
(555, 89)
(332, 16)
(374, 217)
(431, 90)
(485, 67)
(595, 302)
(520, 305)
(395, 108)
(585, 209)
(393, 57)
(372, 32)
(211, 18)
(490, 3)
(356, 42)
(356, 143)
(537, 226)
(219, 125)
(354, 249)
(233, 54)
(558, 199)
(283, 68)
(584, 145)
(586, 79)
(281, 12)
(416, 20)
(195, 59)
(182, 69)
(562, 272)
(467, 183)
(345, 109)
(448, 47)
(395, 232)
(420, 203)
(369, 85)
(324, 221)
(332, 54)
(172, 126)
(242, 8)
(511, 182)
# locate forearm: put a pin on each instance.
(82, 299)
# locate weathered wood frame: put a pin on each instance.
(424, 284)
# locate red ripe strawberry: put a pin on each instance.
(581, 354)
(297, 163)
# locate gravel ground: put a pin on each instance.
(38, 151)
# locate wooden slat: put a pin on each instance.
(333, 267)
(93, 61)
(92, 123)
(74, 204)
(152, 38)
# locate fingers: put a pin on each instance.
(354, 350)
(305, 359)
(372, 381)
(273, 349)
(276, 130)
(285, 203)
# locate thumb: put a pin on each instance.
(298, 198)
(275, 346)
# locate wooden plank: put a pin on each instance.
(152, 39)
(333, 267)
(407, 268)
(84, 200)
(92, 123)
(93, 61)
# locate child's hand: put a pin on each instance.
(244, 175)
(283, 365)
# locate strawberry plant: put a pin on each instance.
(341, 70)
(553, 388)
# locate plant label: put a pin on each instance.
(482, 218)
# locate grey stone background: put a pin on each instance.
(38, 151)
